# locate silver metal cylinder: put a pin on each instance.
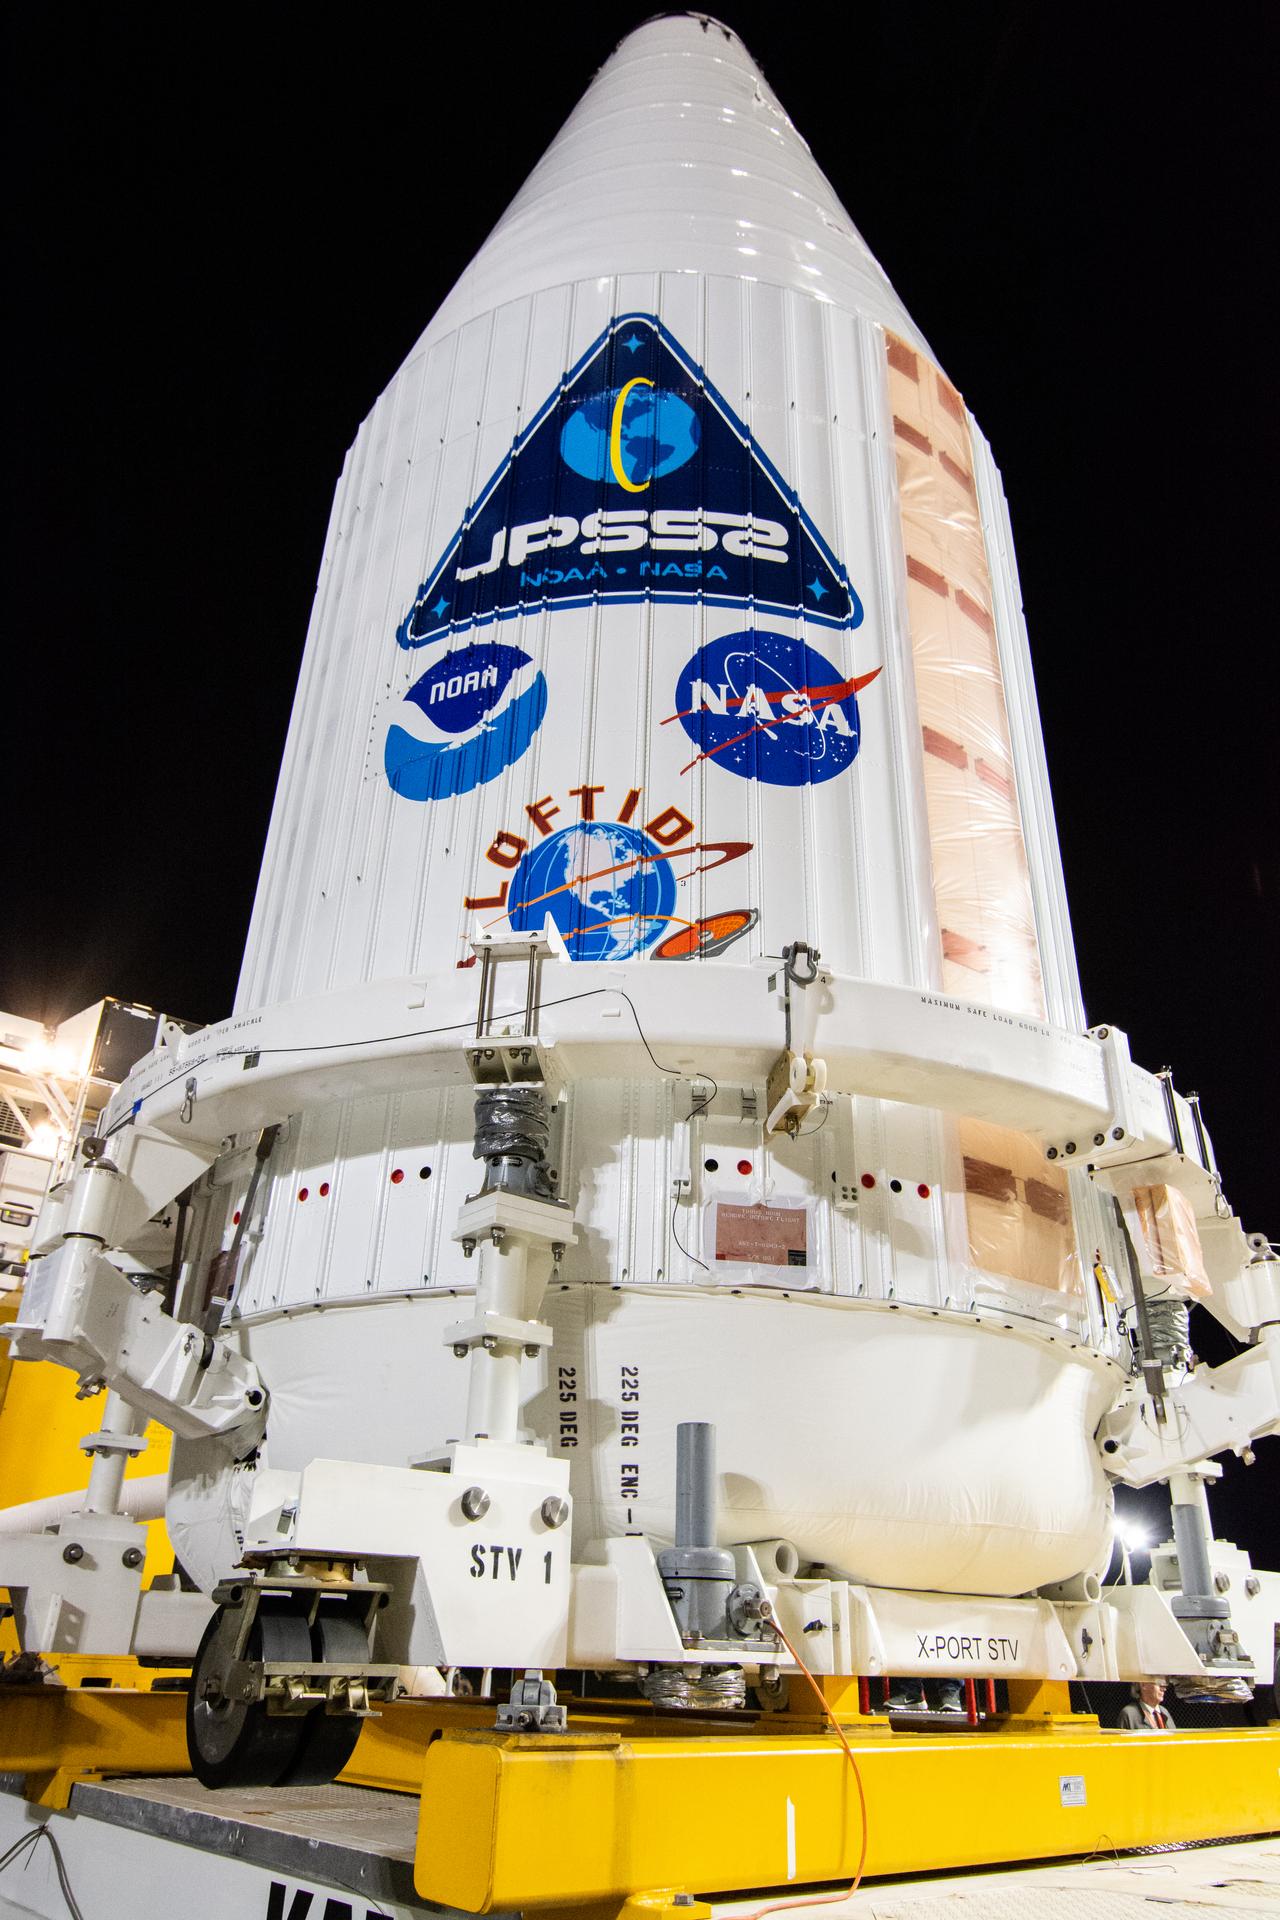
(1197, 1599)
(695, 1484)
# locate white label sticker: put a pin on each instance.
(1071, 1790)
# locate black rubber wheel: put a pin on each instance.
(329, 1739)
(235, 1743)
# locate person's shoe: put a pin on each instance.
(906, 1700)
(950, 1697)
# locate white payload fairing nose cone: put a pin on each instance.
(679, 159)
(668, 616)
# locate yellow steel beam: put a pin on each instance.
(58, 1735)
(520, 1821)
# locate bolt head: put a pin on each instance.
(460, 1349)
(1117, 1133)
(475, 1503)
(131, 1557)
(554, 1510)
(1051, 1153)
(73, 1552)
(1099, 1139)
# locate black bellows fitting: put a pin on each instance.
(513, 1126)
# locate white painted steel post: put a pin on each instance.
(493, 1391)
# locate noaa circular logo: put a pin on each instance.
(473, 712)
(609, 890)
(631, 435)
(770, 708)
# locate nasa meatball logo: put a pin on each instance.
(472, 714)
(634, 481)
(768, 707)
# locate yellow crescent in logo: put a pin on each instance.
(615, 438)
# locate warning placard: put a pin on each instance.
(762, 1236)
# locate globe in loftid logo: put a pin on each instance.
(630, 435)
(609, 889)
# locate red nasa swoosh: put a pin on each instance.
(816, 696)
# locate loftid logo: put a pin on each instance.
(635, 481)
(767, 707)
(473, 712)
(613, 887)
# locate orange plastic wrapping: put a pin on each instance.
(1172, 1239)
(1018, 1207)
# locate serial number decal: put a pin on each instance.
(629, 1436)
(567, 1395)
(957, 1647)
(503, 1563)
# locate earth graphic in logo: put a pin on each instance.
(631, 435)
(609, 889)
(472, 714)
(770, 708)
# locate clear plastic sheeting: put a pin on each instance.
(1018, 1207)
(981, 882)
(1167, 1223)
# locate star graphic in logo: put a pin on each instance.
(816, 588)
(440, 606)
(633, 342)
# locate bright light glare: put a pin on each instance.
(1131, 1535)
(45, 1140)
(60, 1061)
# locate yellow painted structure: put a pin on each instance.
(59, 1735)
(624, 1811)
(722, 1814)
(41, 1427)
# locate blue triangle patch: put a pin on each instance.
(636, 481)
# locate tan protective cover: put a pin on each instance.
(1172, 1239)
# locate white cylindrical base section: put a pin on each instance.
(901, 1447)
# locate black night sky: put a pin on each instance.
(228, 226)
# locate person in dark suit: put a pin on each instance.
(1146, 1712)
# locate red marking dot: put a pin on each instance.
(235, 1218)
(744, 1166)
(324, 1189)
(303, 1192)
(868, 1179)
(923, 1191)
(397, 1175)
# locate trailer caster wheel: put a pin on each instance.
(236, 1743)
(329, 1739)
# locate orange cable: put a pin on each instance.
(846, 1893)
